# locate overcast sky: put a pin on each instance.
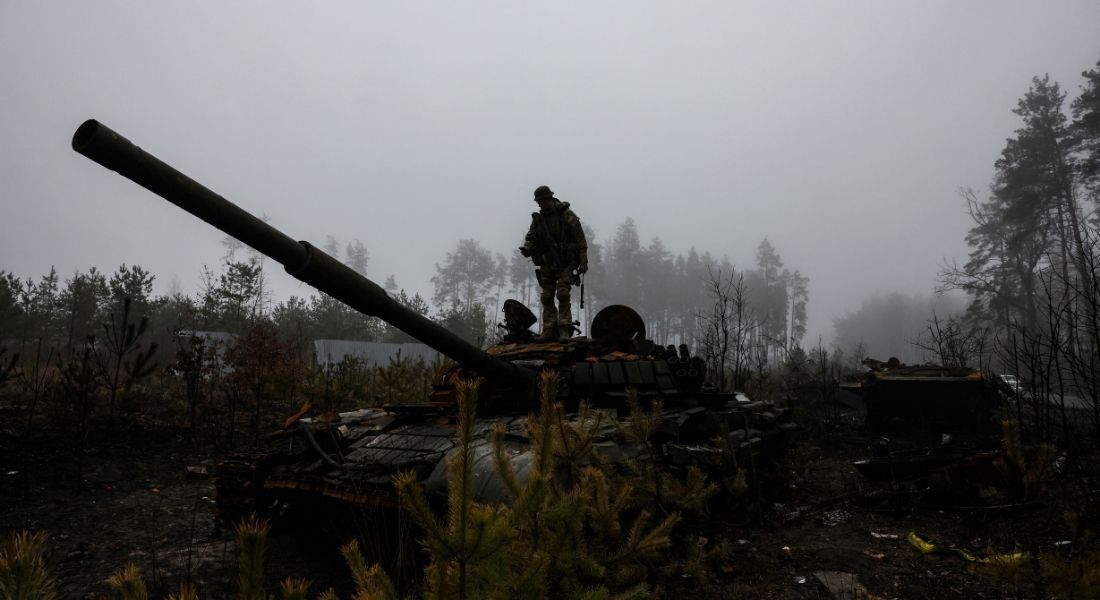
(840, 130)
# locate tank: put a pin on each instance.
(350, 458)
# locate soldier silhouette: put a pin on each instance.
(555, 243)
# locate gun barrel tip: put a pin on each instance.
(84, 134)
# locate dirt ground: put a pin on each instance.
(139, 504)
(823, 523)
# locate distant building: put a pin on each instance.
(372, 353)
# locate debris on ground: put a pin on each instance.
(844, 586)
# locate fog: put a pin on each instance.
(839, 130)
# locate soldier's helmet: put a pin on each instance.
(543, 192)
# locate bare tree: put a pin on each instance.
(726, 326)
(953, 344)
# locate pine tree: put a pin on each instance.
(84, 302)
(41, 304)
(657, 299)
(565, 532)
(470, 534)
(357, 257)
(1032, 221)
(292, 319)
(252, 541)
(122, 355)
(371, 583)
(471, 324)
(1086, 130)
(798, 295)
(624, 268)
(415, 303)
(134, 283)
(127, 584)
(23, 572)
(11, 308)
(465, 277)
(768, 293)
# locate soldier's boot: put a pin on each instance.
(568, 331)
(565, 316)
(549, 323)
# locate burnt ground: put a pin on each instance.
(138, 504)
(829, 519)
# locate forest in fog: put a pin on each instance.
(674, 293)
(1033, 241)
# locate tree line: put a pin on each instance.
(671, 291)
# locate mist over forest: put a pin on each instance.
(470, 286)
(1032, 245)
(817, 213)
(840, 136)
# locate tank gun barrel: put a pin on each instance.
(300, 259)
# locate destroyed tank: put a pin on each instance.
(351, 457)
(931, 419)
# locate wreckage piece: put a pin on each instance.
(351, 457)
(963, 463)
(930, 401)
(935, 419)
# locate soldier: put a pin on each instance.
(555, 243)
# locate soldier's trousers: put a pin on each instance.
(555, 286)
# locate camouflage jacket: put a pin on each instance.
(555, 239)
